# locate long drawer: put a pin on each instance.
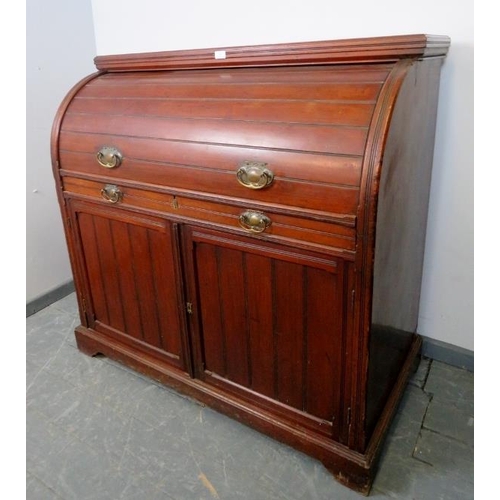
(271, 224)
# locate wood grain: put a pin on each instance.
(290, 330)
(129, 275)
(318, 232)
(370, 50)
(159, 154)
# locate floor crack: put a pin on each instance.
(426, 376)
(422, 427)
(445, 435)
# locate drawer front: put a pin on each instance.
(243, 218)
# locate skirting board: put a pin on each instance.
(50, 297)
(448, 353)
(431, 348)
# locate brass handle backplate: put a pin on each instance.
(111, 193)
(254, 221)
(109, 157)
(254, 175)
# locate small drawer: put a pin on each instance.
(241, 217)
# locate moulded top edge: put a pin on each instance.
(376, 49)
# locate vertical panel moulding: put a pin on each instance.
(317, 325)
(88, 242)
(155, 338)
(247, 321)
(289, 332)
(118, 271)
(136, 284)
(221, 306)
(205, 286)
(107, 259)
(143, 276)
(168, 289)
(159, 255)
(324, 327)
(187, 349)
(347, 339)
(355, 345)
(260, 322)
(78, 264)
(234, 322)
(121, 243)
(305, 337)
(274, 324)
(338, 352)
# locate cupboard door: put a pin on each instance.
(134, 288)
(268, 325)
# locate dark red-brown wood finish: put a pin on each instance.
(249, 228)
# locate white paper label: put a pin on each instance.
(220, 54)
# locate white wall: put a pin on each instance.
(123, 26)
(60, 47)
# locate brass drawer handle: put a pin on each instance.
(254, 175)
(111, 193)
(253, 221)
(109, 157)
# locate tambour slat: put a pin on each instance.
(200, 90)
(319, 74)
(320, 196)
(342, 170)
(327, 139)
(307, 111)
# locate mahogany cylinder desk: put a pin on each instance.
(247, 225)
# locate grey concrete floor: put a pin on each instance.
(97, 430)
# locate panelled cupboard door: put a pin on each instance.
(133, 286)
(268, 325)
